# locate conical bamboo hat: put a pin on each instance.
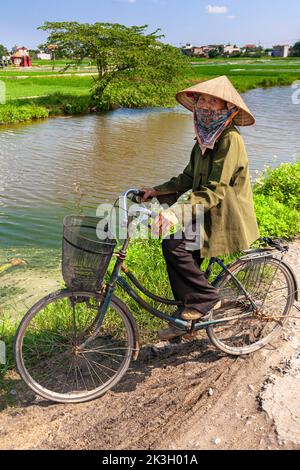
(220, 87)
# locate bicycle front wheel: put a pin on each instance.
(61, 357)
(247, 329)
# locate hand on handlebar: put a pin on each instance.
(148, 193)
(163, 223)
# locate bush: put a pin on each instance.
(134, 94)
(10, 113)
(282, 184)
(79, 105)
(274, 219)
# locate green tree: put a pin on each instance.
(296, 50)
(3, 51)
(121, 53)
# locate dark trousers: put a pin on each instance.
(189, 284)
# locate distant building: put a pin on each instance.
(281, 51)
(251, 49)
(250, 46)
(193, 51)
(201, 51)
(20, 57)
(188, 49)
(231, 50)
(43, 56)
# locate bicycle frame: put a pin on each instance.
(121, 281)
(117, 279)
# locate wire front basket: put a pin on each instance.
(86, 252)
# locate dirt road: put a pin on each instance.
(185, 396)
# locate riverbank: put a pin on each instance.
(39, 94)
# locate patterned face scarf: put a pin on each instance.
(209, 124)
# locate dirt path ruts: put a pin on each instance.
(185, 396)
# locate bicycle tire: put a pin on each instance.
(37, 360)
(255, 335)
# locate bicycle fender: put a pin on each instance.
(131, 318)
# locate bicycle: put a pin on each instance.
(76, 344)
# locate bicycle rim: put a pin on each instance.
(49, 351)
(270, 286)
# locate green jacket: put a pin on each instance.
(220, 181)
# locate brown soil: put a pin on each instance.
(184, 396)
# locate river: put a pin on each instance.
(71, 164)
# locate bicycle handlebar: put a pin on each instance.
(139, 194)
(134, 194)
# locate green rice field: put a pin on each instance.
(56, 90)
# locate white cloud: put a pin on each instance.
(131, 1)
(216, 9)
(231, 17)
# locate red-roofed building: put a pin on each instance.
(21, 57)
(250, 46)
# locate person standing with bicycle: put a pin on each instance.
(218, 175)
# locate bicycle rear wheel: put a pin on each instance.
(49, 353)
(271, 287)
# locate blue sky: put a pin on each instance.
(194, 21)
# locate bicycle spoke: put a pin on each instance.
(88, 366)
(94, 370)
(51, 353)
(103, 352)
(269, 286)
(68, 374)
(110, 349)
(81, 374)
